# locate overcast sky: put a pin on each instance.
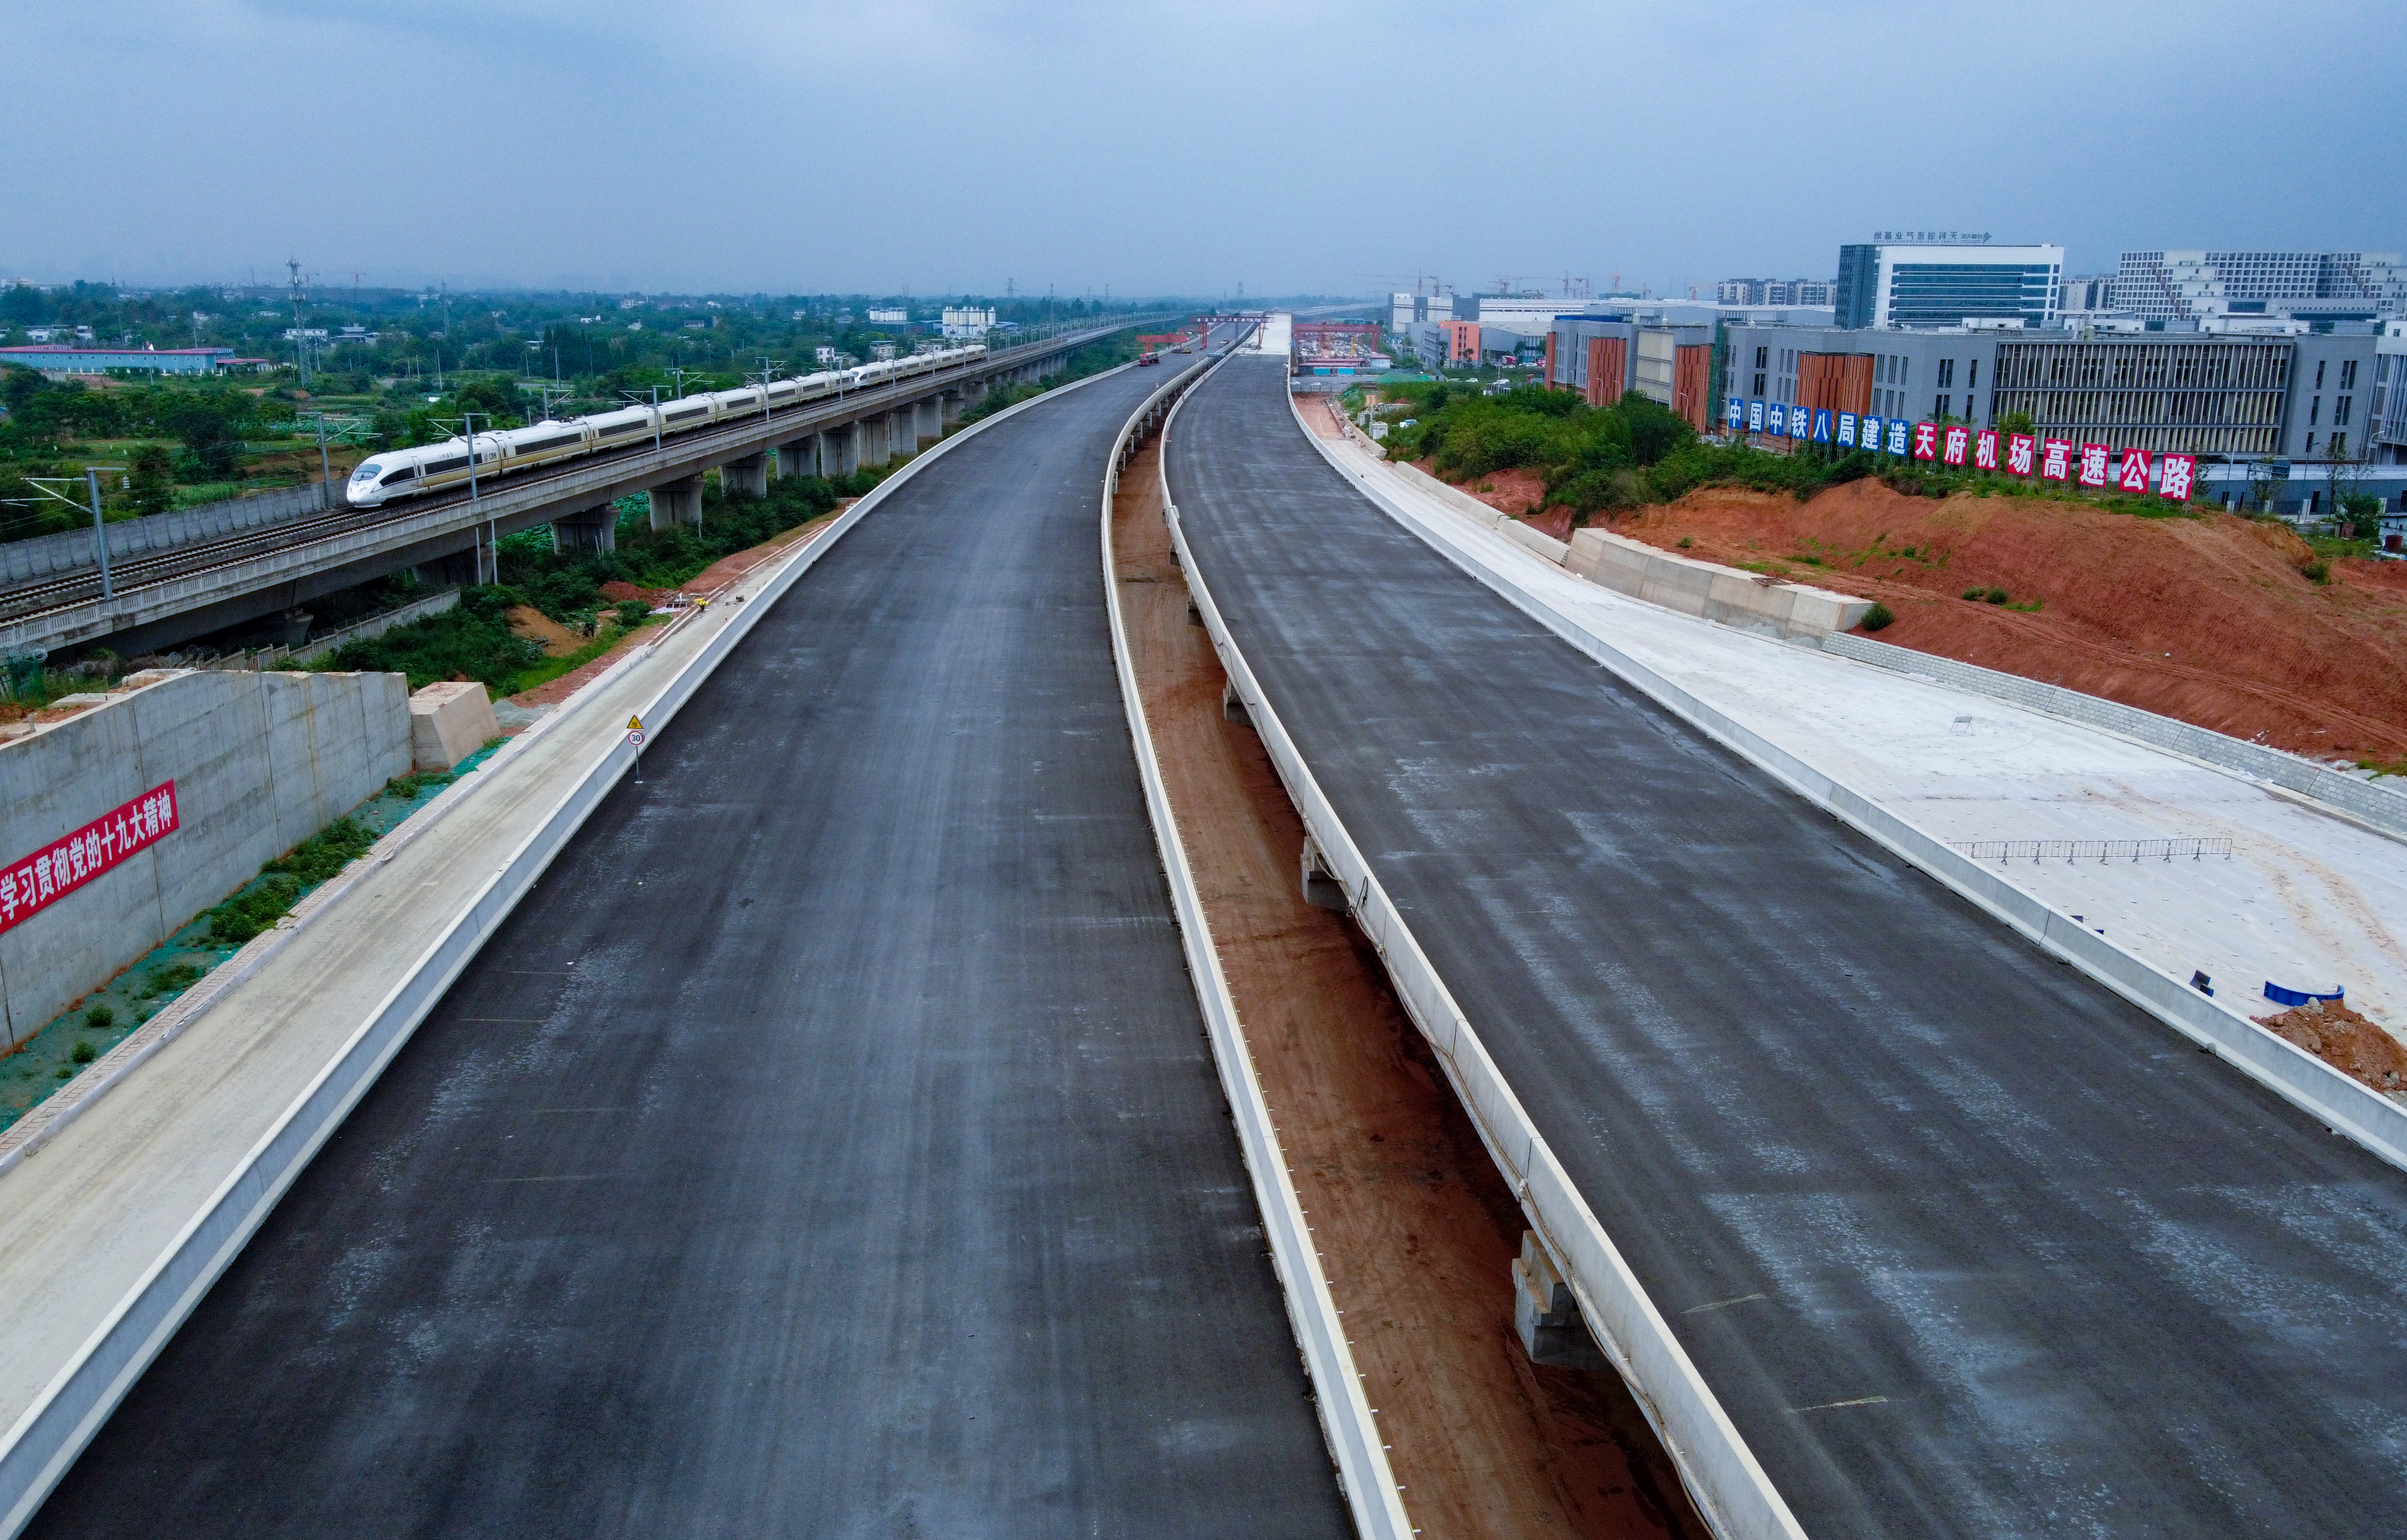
(1286, 145)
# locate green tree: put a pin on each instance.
(150, 487)
(210, 427)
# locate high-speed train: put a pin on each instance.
(438, 467)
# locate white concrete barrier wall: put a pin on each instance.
(261, 761)
(2377, 805)
(1346, 1417)
(1676, 581)
(74, 550)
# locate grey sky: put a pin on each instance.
(810, 146)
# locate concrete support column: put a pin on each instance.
(748, 475)
(929, 420)
(679, 502)
(595, 531)
(799, 457)
(876, 439)
(1546, 1315)
(902, 434)
(841, 451)
(950, 405)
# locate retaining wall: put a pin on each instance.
(71, 550)
(261, 761)
(1710, 590)
(1680, 583)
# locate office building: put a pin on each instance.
(2226, 397)
(1604, 358)
(1912, 286)
(2316, 287)
(2385, 416)
(1405, 309)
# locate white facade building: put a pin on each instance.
(1923, 285)
(968, 321)
(2312, 285)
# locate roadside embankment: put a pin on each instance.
(2215, 620)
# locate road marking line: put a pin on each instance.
(1719, 1305)
(1824, 1407)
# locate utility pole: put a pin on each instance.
(768, 372)
(299, 340)
(99, 534)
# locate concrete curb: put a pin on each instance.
(1345, 1417)
(1729, 1486)
(2339, 1102)
(62, 1419)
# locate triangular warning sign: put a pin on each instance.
(635, 724)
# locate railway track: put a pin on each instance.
(45, 597)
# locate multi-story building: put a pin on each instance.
(1605, 358)
(2222, 396)
(1916, 374)
(2385, 414)
(2310, 286)
(1909, 285)
(1532, 314)
(970, 321)
(1782, 291)
(1405, 309)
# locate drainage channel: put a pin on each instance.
(1416, 1230)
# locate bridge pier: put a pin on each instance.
(876, 439)
(928, 419)
(746, 475)
(840, 451)
(1546, 1314)
(950, 405)
(594, 530)
(679, 502)
(799, 457)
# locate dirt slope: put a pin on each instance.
(2209, 620)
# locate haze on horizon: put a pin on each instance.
(808, 147)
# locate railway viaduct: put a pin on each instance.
(174, 576)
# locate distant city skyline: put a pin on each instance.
(1171, 149)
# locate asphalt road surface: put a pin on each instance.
(1966, 1244)
(828, 1147)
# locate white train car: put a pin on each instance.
(439, 467)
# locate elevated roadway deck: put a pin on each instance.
(828, 1145)
(1963, 1243)
(161, 597)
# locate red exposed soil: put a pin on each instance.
(1416, 1230)
(2345, 1040)
(2209, 620)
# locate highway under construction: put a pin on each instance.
(916, 1097)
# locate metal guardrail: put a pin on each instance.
(2002, 851)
